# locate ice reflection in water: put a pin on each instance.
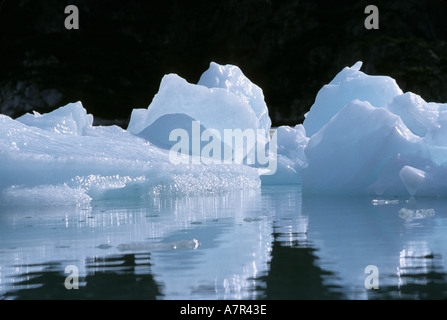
(271, 243)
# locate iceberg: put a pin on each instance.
(60, 158)
(71, 119)
(223, 98)
(361, 151)
(362, 136)
(418, 115)
(367, 137)
(177, 96)
(225, 106)
(291, 158)
(231, 79)
(348, 85)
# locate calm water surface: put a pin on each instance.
(271, 243)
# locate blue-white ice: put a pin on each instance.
(362, 136)
(224, 98)
(368, 137)
(60, 158)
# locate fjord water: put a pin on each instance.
(267, 243)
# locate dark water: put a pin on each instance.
(260, 244)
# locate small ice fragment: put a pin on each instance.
(357, 66)
(405, 213)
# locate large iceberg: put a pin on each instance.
(367, 137)
(223, 98)
(348, 85)
(221, 119)
(362, 136)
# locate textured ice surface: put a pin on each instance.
(231, 78)
(291, 143)
(71, 119)
(368, 137)
(418, 115)
(348, 85)
(223, 99)
(362, 136)
(60, 158)
(361, 150)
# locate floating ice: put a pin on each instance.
(412, 178)
(60, 158)
(360, 151)
(348, 85)
(232, 79)
(44, 158)
(223, 99)
(71, 119)
(368, 137)
(418, 115)
(291, 143)
(362, 136)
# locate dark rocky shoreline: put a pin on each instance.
(290, 48)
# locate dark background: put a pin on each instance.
(290, 48)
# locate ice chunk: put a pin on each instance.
(368, 137)
(357, 66)
(286, 172)
(138, 120)
(362, 136)
(348, 85)
(418, 115)
(215, 109)
(291, 158)
(361, 151)
(225, 105)
(223, 99)
(412, 178)
(70, 119)
(231, 78)
(437, 134)
(38, 161)
(45, 195)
